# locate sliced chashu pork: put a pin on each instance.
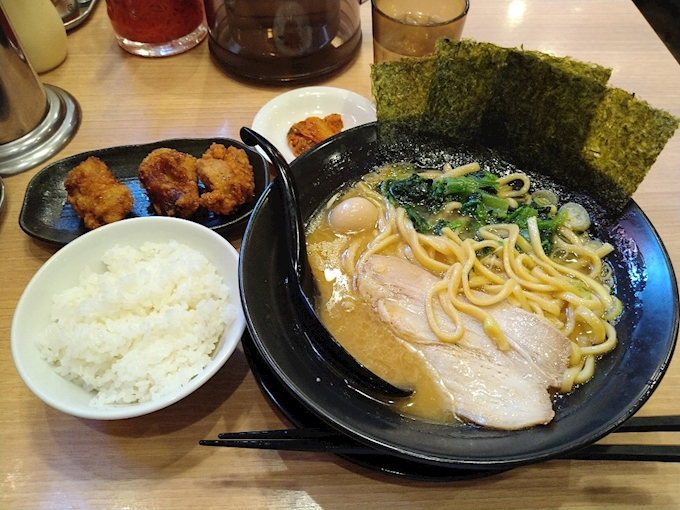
(506, 390)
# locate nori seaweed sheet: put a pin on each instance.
(541, 110)
(401, 89)
(463, 83)
(585, 69)
(546, 114)
(625, 138)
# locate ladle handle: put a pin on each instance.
(321, 340)
(291, 212)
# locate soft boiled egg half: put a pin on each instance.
(353, 215)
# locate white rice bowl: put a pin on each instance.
(164, 335)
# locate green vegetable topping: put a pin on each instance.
(425, 201)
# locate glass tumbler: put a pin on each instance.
(410, 28)
(157, 28)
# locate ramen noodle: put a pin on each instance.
(501, 243)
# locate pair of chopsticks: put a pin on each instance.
(329, 441)
(299, 440)
(636, 452)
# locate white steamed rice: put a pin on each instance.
(141, 329)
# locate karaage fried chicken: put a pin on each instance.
(228, 178)
(307, 133)
(171, 182)
(96, 195)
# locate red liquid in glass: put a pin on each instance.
(154, 21)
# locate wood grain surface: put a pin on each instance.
(49, 460)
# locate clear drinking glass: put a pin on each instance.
(410, 28)
(157, 28)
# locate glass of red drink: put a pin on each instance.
(157, 28)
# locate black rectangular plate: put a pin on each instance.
(46, 214)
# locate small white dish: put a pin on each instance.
(277, 116)
(61, 272)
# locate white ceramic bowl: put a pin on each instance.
(277, 116)
(61, 272)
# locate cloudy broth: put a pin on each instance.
(362, 333)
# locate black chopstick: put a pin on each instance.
(651, 424)
(631, 452)
(330, 441)
(635, 452)
(303, 433)
(299, 440)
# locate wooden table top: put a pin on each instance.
(52, 460)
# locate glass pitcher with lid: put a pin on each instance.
(283, 40)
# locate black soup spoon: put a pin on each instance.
(355, 374)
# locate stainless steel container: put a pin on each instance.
(36, 120)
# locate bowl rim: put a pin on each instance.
(273, 119)
(153, 229)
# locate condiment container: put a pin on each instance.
(40, 31)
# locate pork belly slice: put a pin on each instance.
(506, 390)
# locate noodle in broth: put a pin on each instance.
(479, 263)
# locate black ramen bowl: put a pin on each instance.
(624, 380)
